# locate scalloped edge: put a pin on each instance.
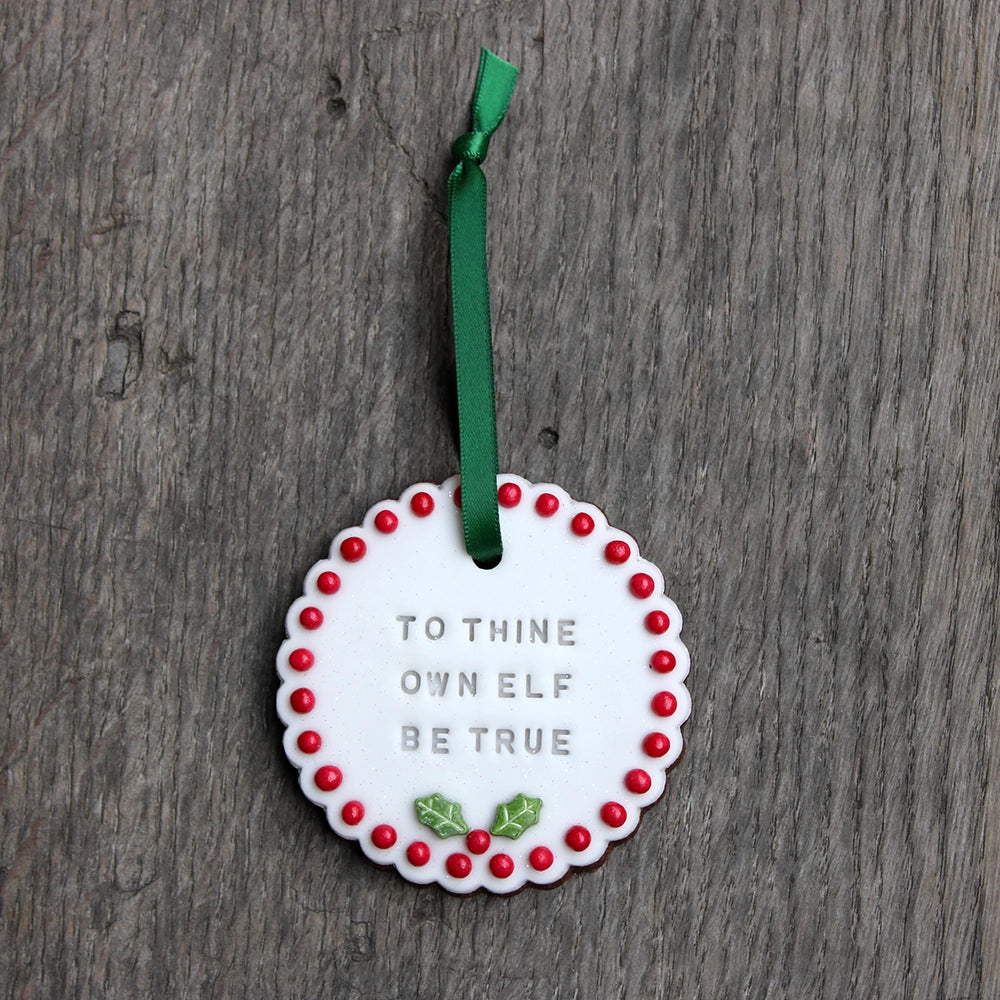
(605, 837)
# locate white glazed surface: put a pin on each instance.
(421, 570)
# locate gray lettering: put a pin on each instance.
(528, 693)
(411, 737)
(560, 743)
(464, 683)
(505, 738)
(406, 619)
(566, 632)
(538, 741)
(505, 685)
(410, 682)
(438, 629)
(498, 630)
(472, 623)
(436, 683)
(478, 732)
(541, 631)
(557, 684)
(439, 740)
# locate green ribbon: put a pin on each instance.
(470, 312)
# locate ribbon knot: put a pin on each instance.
(472, 146)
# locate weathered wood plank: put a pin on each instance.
(746, 294)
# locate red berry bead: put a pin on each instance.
(386, 522)
(328, 583)
(309, 741)
(655, 745)
(509, 495)
(617, 552)
(664, 703)
(328, 778)
(502, 865)
(457, 496)
(614, 814)
(582, 525)
(302, 701)
(641, 585)
(311, 618)
(422, 504)
(458, 865)
(638, 781)
(353, 813)
(301, 659)
(662, 661)
(657, 622)
(418, 854)
(547, 504)
(540, 859)
(353, 548)
(478, 841)
(383, 837)
(578, 838)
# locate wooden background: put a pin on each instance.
(746, 282)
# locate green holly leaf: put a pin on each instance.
(514, 817)
(442, 816)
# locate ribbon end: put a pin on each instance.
(489, 62)
(494, 89)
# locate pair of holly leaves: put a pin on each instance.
(446, 820)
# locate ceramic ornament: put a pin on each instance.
(483, 686)
(483, 728)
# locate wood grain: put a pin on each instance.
(746, 279)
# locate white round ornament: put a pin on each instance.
(483, 728)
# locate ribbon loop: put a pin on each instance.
(470, 311)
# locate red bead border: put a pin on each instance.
(578, 838)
